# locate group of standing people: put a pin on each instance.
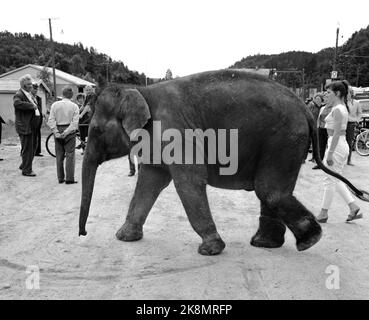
(320, 108)
(63, 121)
(336, 114)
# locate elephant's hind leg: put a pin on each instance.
(297, 218)
(190, 183)
(150, 182)
(274, 184)
(271, 229)
(300, 221)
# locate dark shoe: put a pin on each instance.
(20, 167)
(70, 182)
(350, 164)
(311, 160)
(131, 173)
(79, 146)
(354, 216)
(61, 181)
(29, 174)
(1, 159)
(316, 168)
(39, 155)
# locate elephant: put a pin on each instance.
(274, 133)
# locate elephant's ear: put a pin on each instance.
(135, 110)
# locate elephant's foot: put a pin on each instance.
(270, 233)
(211, 246)
(129, 232)
(307, 232)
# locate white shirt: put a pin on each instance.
(329, 120)
(355, 111)
(32, 100)
(64, 112)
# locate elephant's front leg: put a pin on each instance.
(190, 182)
(150, 182)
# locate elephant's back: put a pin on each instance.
(228, 99)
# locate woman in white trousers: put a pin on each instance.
(338, 150)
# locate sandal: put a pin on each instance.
(354, 216)
(322, 219)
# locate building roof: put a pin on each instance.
(58, 73)
(11, 86)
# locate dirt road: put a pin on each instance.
(39, 227)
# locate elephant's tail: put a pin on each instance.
(361, 194)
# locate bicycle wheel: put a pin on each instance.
(50, 144)
(362, 143)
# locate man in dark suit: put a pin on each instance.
(1, 123)
(38, 127)
(26, 119)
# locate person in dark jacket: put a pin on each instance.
(322, 131)
(26, 119)
(39, 124)
(314, 106)
(1, 123)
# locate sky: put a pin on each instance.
(188, 36)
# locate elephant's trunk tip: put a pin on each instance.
(82, 232)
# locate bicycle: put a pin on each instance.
(362, 142)
(50, 142)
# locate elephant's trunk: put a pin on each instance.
(89, 168)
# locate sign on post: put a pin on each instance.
(334, 75)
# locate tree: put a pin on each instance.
(76, 65)
(168, 75)
(45, 77)
(64, 65)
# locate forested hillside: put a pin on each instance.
(353, 58)
(19, 49)
(316, 67)
(352, 63)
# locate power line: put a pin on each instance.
(356, 48)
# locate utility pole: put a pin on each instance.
(336, 49)
(303, 84)
(53, 58)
